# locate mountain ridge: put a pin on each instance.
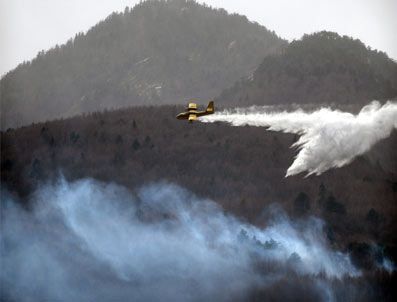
(159, 52)
(321, 68)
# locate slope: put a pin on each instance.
(322, 68)
(159, 52)
(242, 168)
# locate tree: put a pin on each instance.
(302, 204)
(135, 144)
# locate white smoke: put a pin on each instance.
(89, 241)
(328, 138)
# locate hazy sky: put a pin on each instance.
(28, 26)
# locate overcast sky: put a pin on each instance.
(28, 26)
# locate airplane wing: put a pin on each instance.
(192, 117)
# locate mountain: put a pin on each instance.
(159, 52)
(322, 68)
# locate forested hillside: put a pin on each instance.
(159, 52)
(241, 168)
(322, 68)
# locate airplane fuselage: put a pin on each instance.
(191, 114)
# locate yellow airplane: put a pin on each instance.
(192, 114)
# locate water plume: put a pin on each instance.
(328, 138)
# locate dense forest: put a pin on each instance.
(322, 68)
(159, 52)
(242, 168)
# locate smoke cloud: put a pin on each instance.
(328, 138)
(90, 241)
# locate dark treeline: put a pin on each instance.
(159, 52)
(241, 168)
(322, 68)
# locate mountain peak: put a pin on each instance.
(321, 68)
(159, 52)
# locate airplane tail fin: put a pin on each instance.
(211, 107)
